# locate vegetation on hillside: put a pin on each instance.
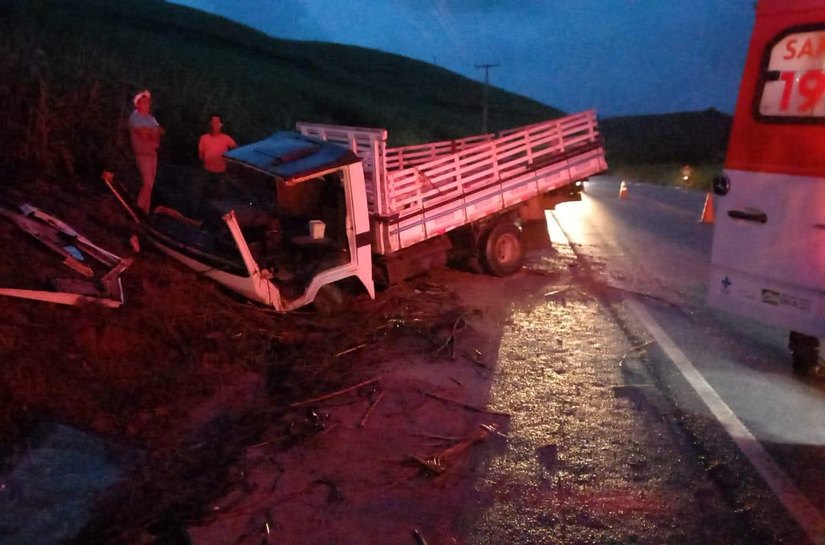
(71, 68)
(654, 148)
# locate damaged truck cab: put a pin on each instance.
(298, 219)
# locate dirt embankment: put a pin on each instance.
(234, 424)
(185, 376)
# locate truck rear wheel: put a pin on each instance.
(329, 300)
(502, 251)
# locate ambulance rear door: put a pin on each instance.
(768, 256)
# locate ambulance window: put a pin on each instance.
(793, 81)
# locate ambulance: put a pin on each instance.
(768, 255)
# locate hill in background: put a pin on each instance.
(71, 68)
(655, 147)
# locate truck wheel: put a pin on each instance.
(329, 300)
(804, 352)
(501, 250)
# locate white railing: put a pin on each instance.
(515, 152)
(410, 156)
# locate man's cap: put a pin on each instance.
(144, 93)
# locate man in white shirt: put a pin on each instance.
(145, 133)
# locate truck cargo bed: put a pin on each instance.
(434, 188)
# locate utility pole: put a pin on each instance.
(486, 68)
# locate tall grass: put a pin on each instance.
(71, 68)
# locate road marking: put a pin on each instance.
(806, 515)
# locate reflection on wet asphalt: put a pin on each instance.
(589, 458)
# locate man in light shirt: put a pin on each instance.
(211, 148)
(145, 133)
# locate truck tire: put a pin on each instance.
(502, 252)
(329, 300)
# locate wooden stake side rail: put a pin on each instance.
(520, 151)
(455, 209)
(464, 180)
(410, 156)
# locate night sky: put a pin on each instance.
(623, 57)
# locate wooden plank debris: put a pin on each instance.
(63, 239)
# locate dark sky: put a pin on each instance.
(622, 57)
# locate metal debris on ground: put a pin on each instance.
(60, 237)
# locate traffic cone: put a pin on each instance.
(708, 215)
(623, 190)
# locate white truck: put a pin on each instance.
(326, 206)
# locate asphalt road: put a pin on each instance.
(731, 377)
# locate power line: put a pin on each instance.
(486, 67)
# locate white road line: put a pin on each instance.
(806, 515)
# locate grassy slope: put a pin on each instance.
(70, 69)
(75, 65)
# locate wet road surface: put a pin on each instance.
(652, 249)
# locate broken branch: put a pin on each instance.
(353, 349)
(461, 403)
(333, 394)
(369, 410)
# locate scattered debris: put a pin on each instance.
(458, 325)
(57, 235)
(419, 539)
(438, 463)
(172, 213)
(461, 403)
(109, 179)
(371, 408)
(634, 350)
(493, 430)
(561, 291)
(564, 291)
(353, 349)
(333, 394)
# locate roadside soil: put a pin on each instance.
(455, 408)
